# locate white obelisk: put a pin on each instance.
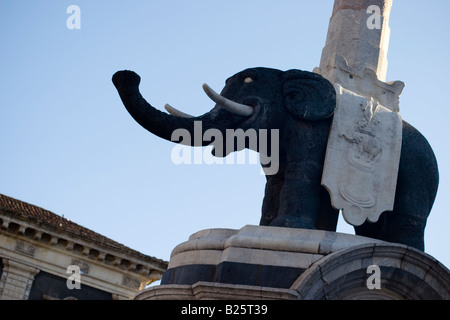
(363, 152)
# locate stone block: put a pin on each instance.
(277, 263)
(253, 255)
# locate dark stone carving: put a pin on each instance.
(300, 105)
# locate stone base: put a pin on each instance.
(215, 291)
(258, 262)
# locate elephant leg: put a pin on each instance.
(413, 202)
(406, 229)
(417, 184)
(375, 230)
(271, 200)
(327, 218)
(299, 199)
(398, 226)
(302, 193)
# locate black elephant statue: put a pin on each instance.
(300, 106)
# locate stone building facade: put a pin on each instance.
(45, 256)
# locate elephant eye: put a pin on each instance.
(248, 80)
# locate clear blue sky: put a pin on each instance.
(67, 143)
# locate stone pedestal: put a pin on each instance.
(258, 262)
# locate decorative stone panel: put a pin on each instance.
(16, 280)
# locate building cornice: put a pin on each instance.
(104, 263)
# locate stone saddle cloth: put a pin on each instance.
(363, 156)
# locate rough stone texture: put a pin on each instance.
(16, 279)
(406, 274)
(341, 273)
(364, 82)
(253, 255)
(215, 291)
(349, 36)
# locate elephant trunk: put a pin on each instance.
(162, 124)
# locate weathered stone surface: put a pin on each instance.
(364, 146)
(354, 35)
(253, 255)
(37, 247)
(406, 274)
(215, 291)
(363, 157)
(290, 264)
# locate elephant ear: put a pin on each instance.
(307, 95)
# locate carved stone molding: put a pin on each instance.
(28, 234)
(38, 244)
(16, 280)
(231, 264)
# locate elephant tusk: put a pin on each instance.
(234, 107)
(176, 112)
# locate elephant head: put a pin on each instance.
(298, 104)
